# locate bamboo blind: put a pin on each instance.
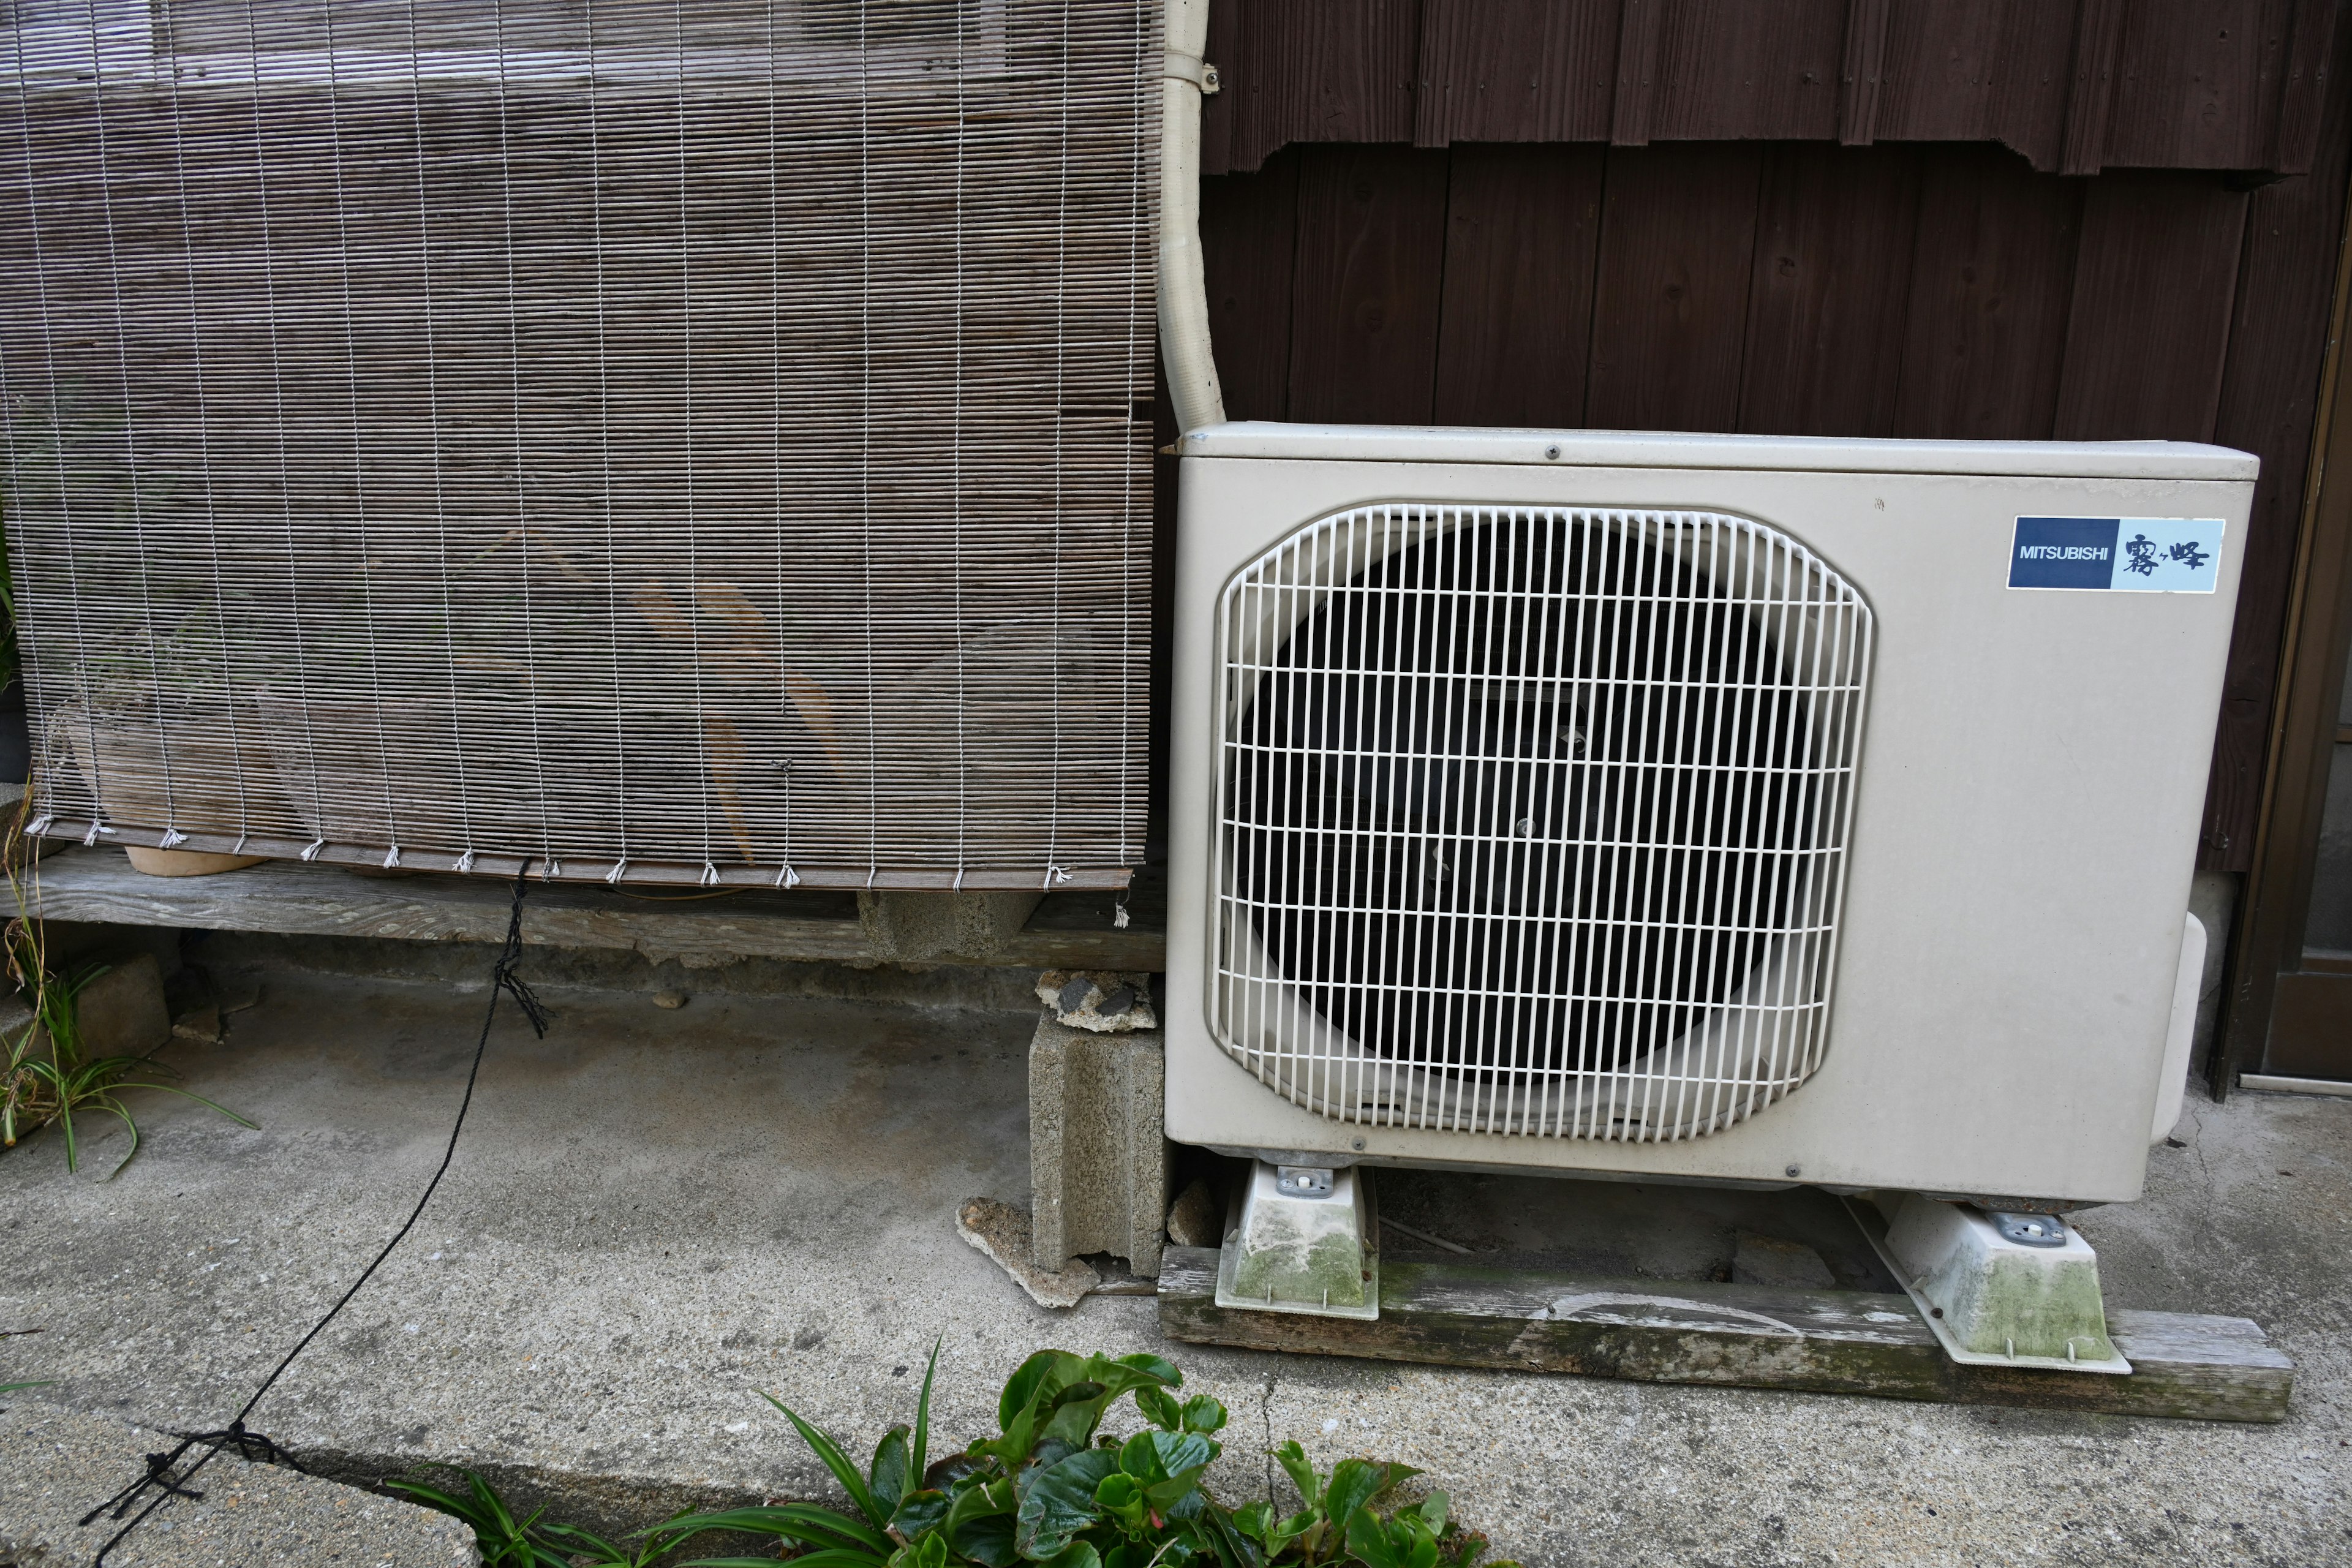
(688, 444)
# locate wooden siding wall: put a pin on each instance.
(1807, 288)
(2076, 86)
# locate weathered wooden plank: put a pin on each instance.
(1516, 70)
(1964, 70)
(290, 897)
(2098, 53)
(1522, 233)
(2198, 84)
(1678, 231)
(287, 897)
(2270, 390)
(1249, 233)
(1748, 69)
(1825, 1341)
(1860, 82)
(2153, 279)
(1324, 70)
(1834, 248)
(1365, 294)
(1042, 945)
(1989, 288)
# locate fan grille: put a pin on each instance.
(1534, 821)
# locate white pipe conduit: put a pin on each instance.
(1183, 283)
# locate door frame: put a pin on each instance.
(2274, 904)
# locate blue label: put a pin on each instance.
(2125, 554)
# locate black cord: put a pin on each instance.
(253, 1445)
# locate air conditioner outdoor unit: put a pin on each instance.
(1730, 809)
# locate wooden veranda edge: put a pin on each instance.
(2186, 1366)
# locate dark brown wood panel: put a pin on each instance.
(1834, 239)
(2154, 281)
(1323, 70)
(1865, 72)
(1991, 283)
(2075, 85)
(2304, 97)
(2270, 392)
(2091, 95)
(1365, 289)
(1641, 34)
(1516, 70)
(1677, 236)
(1741, 69)
(1522, 232)
(1227, 36)
(2197, 83)
(1249, 225)
(1971, 70)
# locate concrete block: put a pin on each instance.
(122, 1012)
(1097, 1153)
(910, 927)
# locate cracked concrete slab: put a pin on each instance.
(656, 1214)
(55, 1464)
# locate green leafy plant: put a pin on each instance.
(1049, 1488)
(1341, 1522)
(46, 1073)
(505, 1541)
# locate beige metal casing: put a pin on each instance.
(2032, 773)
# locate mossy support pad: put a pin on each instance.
(2186, 1366)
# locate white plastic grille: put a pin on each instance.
(1534, 821)
(675, 442)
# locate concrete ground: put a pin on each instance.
(655, 1214)
(55, 1463)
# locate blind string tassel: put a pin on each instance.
(391, 857)
(466, 861)
(612, 876)
(787, 877)
(310, 852)
(709, 875)
(171, 837)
